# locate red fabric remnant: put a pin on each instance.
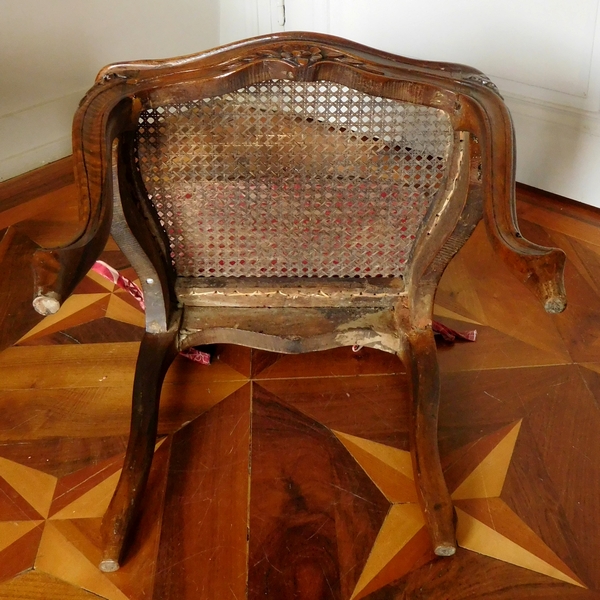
(113, 275)
(451, 335)
(196, 355)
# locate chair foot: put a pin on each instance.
(109, 566)
(445, 550)
(541, 269)
(157, 351)
(420, 358)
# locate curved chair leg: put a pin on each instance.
(420, 358)
(157, 351)
(540, 268)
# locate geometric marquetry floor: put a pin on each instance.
(287, 477)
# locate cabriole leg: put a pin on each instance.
(420, 359)
(157, 351)
(541, 269)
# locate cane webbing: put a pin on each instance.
(293, 179)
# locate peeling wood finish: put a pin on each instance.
(290, 330)
(291, 317)
(279, 292)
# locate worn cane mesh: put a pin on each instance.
(292, 179)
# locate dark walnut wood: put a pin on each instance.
(144, 153)
(157, 351)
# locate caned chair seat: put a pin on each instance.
(293, 193)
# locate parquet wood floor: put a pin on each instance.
(288, 477)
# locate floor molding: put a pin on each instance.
(30, 185)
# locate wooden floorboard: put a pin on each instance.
(289, 476)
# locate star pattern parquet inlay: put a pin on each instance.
(330, 508)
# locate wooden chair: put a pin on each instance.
(293, 192)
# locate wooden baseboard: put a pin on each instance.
(31, 185)
(558, 204)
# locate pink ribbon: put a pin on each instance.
(113, 275)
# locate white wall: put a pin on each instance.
(543, 54)
(51, 50)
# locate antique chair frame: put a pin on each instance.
(395, 317)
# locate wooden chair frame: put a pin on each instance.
(480, 184)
